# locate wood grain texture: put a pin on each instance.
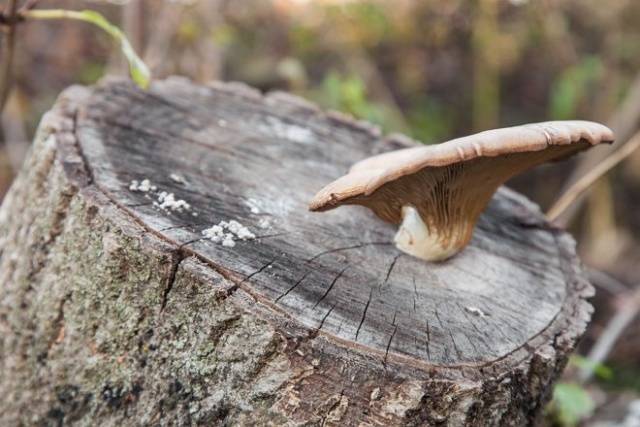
(479, 337)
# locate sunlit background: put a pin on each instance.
(432, 69)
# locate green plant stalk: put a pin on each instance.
(137, 68)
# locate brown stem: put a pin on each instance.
(568, 198)
(624, 122)
(8, 43)
(629, 307)
(29, 4)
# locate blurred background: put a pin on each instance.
(431, 69)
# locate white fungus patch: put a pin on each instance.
(290, 131)
(476, 311)
(214, 233)
(143, 186)
(253, 206)
(177, 178)
(227, 233)
(264, 223)
(228, 241)
(168, 201)
(164, 200)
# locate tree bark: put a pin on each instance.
(117, 311)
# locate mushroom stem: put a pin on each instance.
(414, 238)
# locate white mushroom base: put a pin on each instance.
(413, 237)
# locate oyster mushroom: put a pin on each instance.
(437, 192)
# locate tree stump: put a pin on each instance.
(115, 309)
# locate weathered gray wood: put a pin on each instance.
(112, 307)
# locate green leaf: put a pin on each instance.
(137, 68)
(601, 371)
(571, 403)
(571, 87)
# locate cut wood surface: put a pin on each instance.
(115, 307)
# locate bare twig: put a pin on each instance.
(604, 281)
(29, 4)
(629, 309)
(623, 122)
(583, 184)
(8, 44)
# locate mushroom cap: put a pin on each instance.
(450, 184)
(546, 141)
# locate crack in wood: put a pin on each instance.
(191, 242)
(390, 269)
(386, 353)
(439, 320)
(502, 334)
(258, 271)
(447, 355)
(455, 346)
(265, 236)
(333, 282)
(176, 227)
(319, 328)
(393, 334)
(415, 293)
(138, 205)
(345, 248)
(428, 340)
(177, 258)
(473, 345)
(304, 276)
(57, 324)
(364, 314)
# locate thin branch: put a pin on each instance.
(630, 307)
(623, 122)
(582, 185)
(8, 44)
(29, 4)
(604, 281)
